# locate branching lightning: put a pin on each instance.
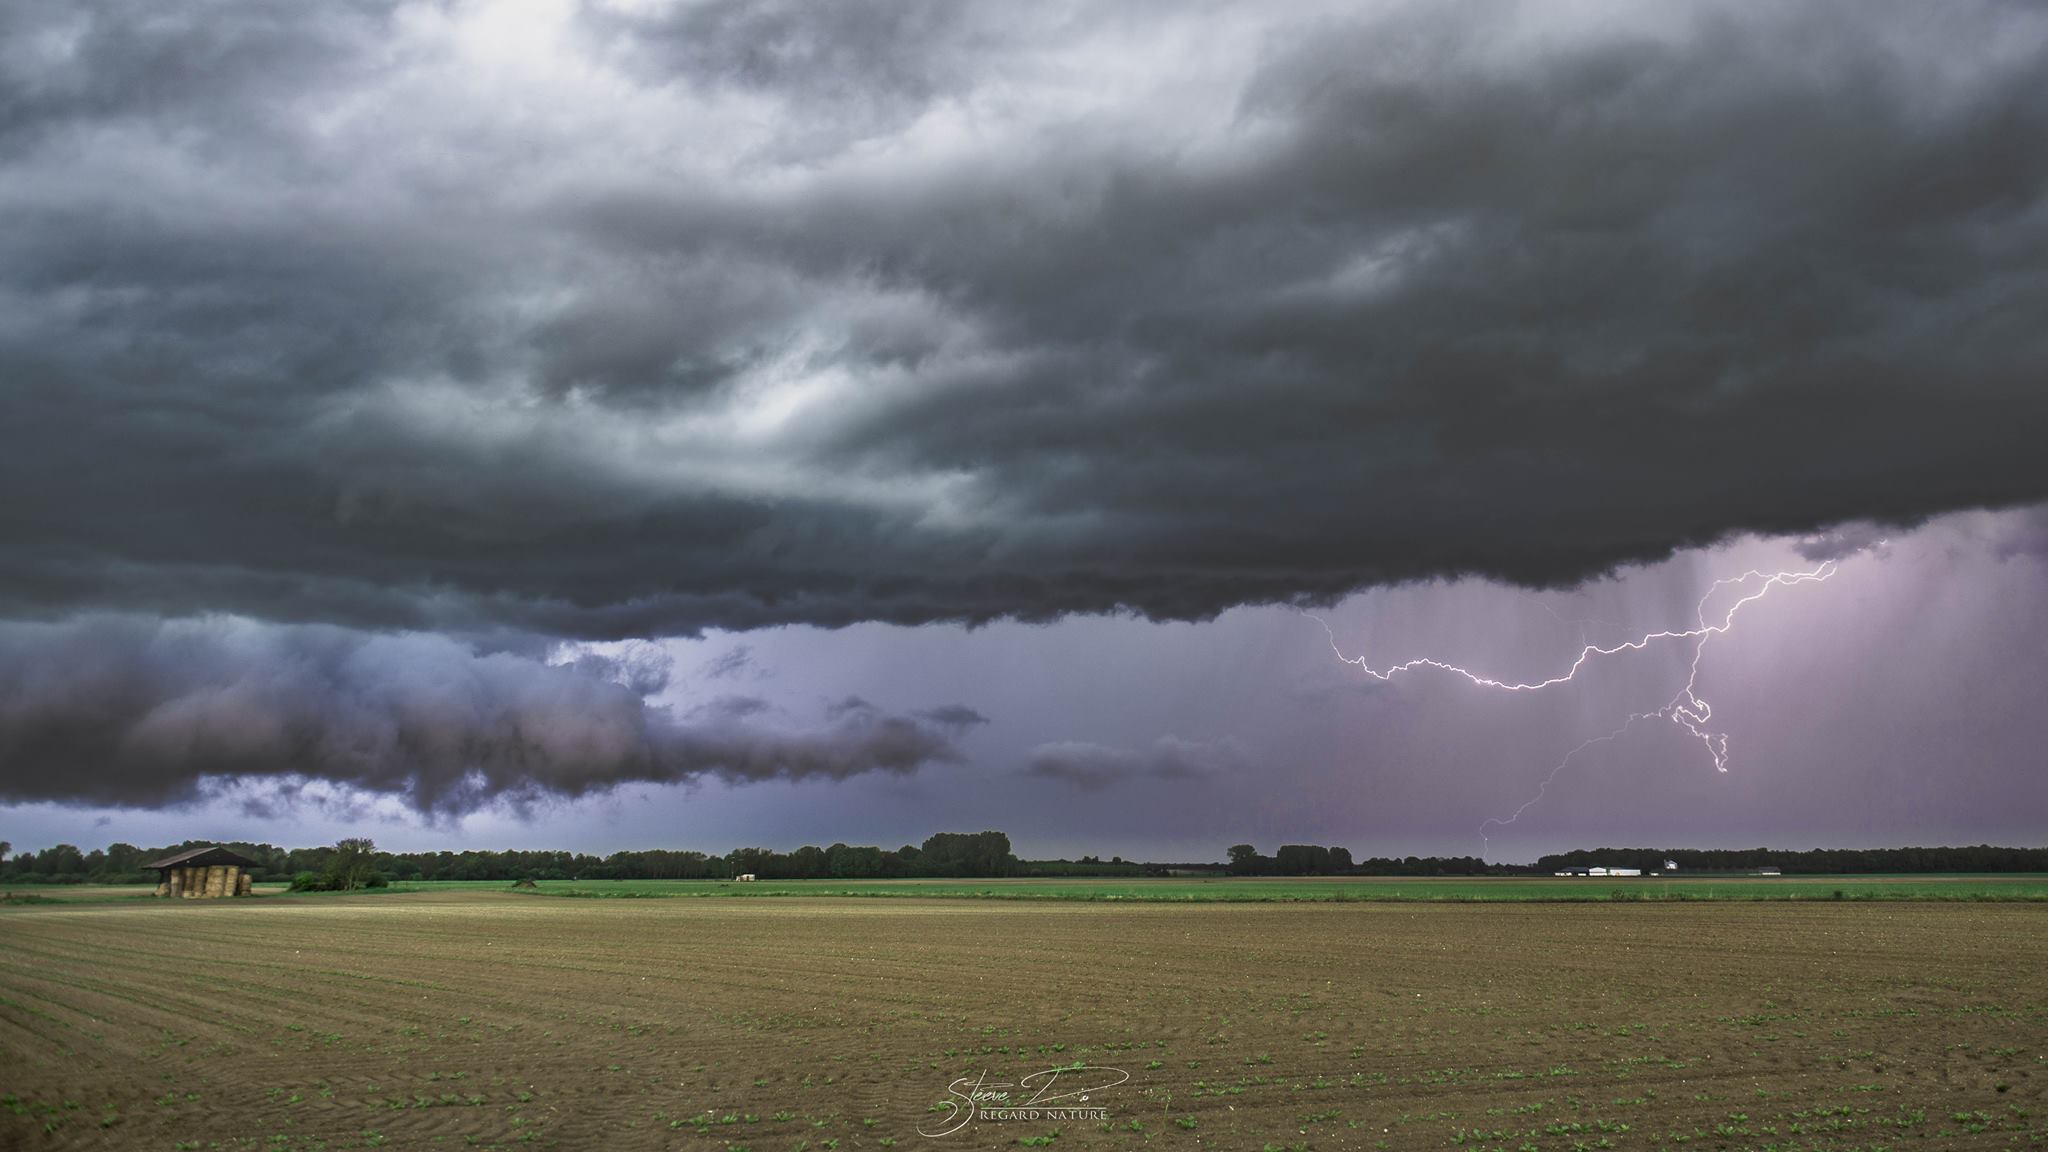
(1687, 709)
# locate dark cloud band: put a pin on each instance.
(743, 315)
(129, 712)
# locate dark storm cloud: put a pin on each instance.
(954, 716)
(456, 319)
(1097, 766)
(126, 712)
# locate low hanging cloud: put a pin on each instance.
(642, 667)
(120, 711)
(955, 716)
(1096, 766)
(732, 707)
(728, 664)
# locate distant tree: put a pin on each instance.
(61, 859)
(966, 854)
(121, 858)
(809, 863)
(1302, 860)
(351, 864)
(1246, 861)
(1340, 860)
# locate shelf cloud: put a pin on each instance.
(124, 711)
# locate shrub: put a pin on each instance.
(328, 882)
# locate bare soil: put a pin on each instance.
(490, 1019)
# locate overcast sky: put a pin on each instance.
(626, 424)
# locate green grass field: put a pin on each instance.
(28, 895)
(1261, 890)
(2008, 887)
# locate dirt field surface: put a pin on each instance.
(478, 1019)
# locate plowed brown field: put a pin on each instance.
(498, 1020)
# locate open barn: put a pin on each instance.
(203, 873)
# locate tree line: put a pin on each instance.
(955, 854)
(945, 854)
(1310, 860)
(1827, 861)
(354, 862)
(1316, 860)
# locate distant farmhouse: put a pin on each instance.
(203, 874)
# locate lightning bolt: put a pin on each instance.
(1687, 708)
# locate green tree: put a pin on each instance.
(61, 860)
(351, 864)
(1302, 859)
(124, 858)
(966, 854)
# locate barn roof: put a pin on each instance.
(213, 854)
